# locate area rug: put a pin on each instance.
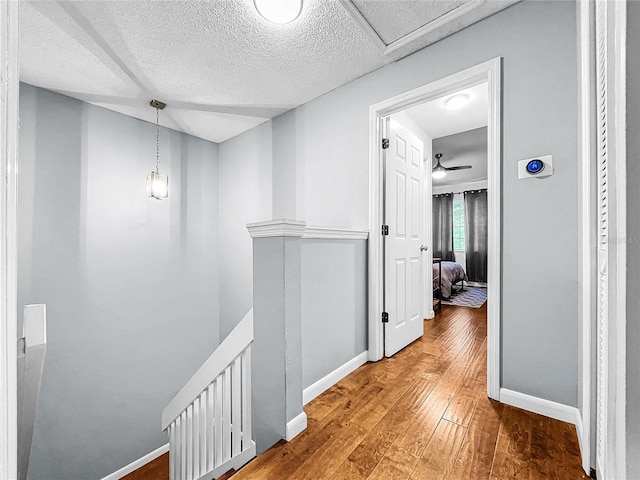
(473, 297)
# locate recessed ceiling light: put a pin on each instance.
(279, 11)
(457, 101)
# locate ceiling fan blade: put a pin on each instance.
(461, 167)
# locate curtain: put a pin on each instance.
(443, 227)
(476, 215)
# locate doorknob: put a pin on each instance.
(423, 248)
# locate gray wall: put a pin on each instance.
(538, 44)
(334, 305)
(130, 283)
(537, 41)
(633, 240)
(245, 197)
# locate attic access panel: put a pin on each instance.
(395, 20)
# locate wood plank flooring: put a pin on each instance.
(423, 414)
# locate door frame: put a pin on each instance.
(489, 72)
(9, 87)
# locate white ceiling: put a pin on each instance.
(221, 68)
(438, 121)
(465, 148)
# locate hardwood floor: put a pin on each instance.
(423, 414)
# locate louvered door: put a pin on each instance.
(602, 337)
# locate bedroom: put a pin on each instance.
(453, 130)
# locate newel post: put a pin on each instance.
(277, 346)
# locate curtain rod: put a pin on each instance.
(465, 191)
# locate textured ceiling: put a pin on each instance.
(221, 68)
(465, 148)
(439, 121)
(395, 19)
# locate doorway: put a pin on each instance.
(488, 73)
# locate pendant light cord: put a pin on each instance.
(157, 139)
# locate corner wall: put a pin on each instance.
(246, 195)
(130, 283)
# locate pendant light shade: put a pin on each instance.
(157, 183)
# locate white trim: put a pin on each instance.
(296, 426)
(9, 104)
(489, 72)
(296, 228)
(441, 23)
(364, 25)
(335, 233)
(276, 228)
(238, 340)
(236, 463)
(431, 314)
(619, 384)
(588, 221)
(136, 464)
(550, 409)
(329, 380)
(436, 24)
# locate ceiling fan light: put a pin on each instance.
(457, 101)
(438, 172)
(279, 11)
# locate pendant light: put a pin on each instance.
(157, 184)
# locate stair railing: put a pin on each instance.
(31, 349)
(209, 420)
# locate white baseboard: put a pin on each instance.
(559, 411)
(136, 464)
(431, 315)
(296, 426)
(334, 377)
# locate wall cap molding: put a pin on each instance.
(297, 228)
(136, 464)
(277, 228)
(335, 233)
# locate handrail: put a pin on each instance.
(239, 338)
(31, 351)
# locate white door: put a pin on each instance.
(404, 278)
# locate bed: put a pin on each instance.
(452, 273)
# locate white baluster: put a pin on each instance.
(210, 428)
(246, 398)
(226, 416)
(236, 407)
(218, 418)
(172, 450)
(189, 453)
(183, 446)
(202, 456)
(195, 452)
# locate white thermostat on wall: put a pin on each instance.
(536, 167)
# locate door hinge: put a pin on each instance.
(385, 143)
(385, 229)
(385, 317)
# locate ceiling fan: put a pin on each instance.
(439, 171)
